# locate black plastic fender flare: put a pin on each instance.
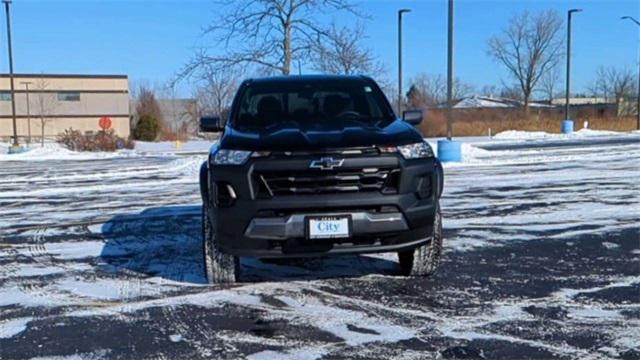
(204, 182)
(440, 176)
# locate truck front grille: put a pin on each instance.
(311, 181)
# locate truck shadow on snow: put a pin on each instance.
(166, 242)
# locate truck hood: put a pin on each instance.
(320, 136)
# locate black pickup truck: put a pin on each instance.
(318, 165)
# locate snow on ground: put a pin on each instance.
(527, 135)
(470, 145)
(172, 146)
(101, 255)
(52, 150)
(55, 151)
(13, 327)
(533, 191)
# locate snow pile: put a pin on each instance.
(48, 151)
(522, 135)
(55, 151)
(470, 153)
(12, 327)
(591, 132)
(170, 146)
(536, 135)
(187, 166)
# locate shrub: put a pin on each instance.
(478, 122)
(99, 141)
(170, 135)
(147, 128)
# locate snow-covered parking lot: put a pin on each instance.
(100, 257)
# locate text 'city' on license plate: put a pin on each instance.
(328, 227)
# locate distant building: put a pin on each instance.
(490, 102)
(64, 101)
(580, 101)
(586, 107)
(582, 107)
(180, 114)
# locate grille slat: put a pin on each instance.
(311, 181)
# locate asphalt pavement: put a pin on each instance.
(102, 259)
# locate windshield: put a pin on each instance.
(311, 102)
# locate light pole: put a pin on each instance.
(450, 72)
(400, 12)
(448, 149)
(638, 99)
(568, 76)
(26, 85)
(15, 146)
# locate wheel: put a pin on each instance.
(424, 260)
(218, 267)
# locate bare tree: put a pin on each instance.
(511, 92)
(45, 102)
(489, 90)
(267, 34)
(157, 87)
(179, 114)
(528, 48)
(433, 89)
(614, 84)
(215, 91)
(186, 114)
(549, 83)
(340, 51)
(416, 98)
(600, 87)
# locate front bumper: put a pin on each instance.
(275, 227)
(293, 226)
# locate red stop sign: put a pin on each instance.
(105, 123)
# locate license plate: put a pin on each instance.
(328, 227)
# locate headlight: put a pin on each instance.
(416, 151)
(230, 157)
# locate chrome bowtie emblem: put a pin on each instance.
(326, 163)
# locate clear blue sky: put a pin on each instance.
(150, 40)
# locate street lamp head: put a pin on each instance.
(575, 11)
(7, 1)
(402, 11)
(631, 18)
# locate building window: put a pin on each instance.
(69, 96)
(5, 96)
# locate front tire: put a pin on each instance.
(218, 267)
(424, 260)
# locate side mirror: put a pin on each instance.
(211, 124)
(413, 117)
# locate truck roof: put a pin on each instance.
(305, 78)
